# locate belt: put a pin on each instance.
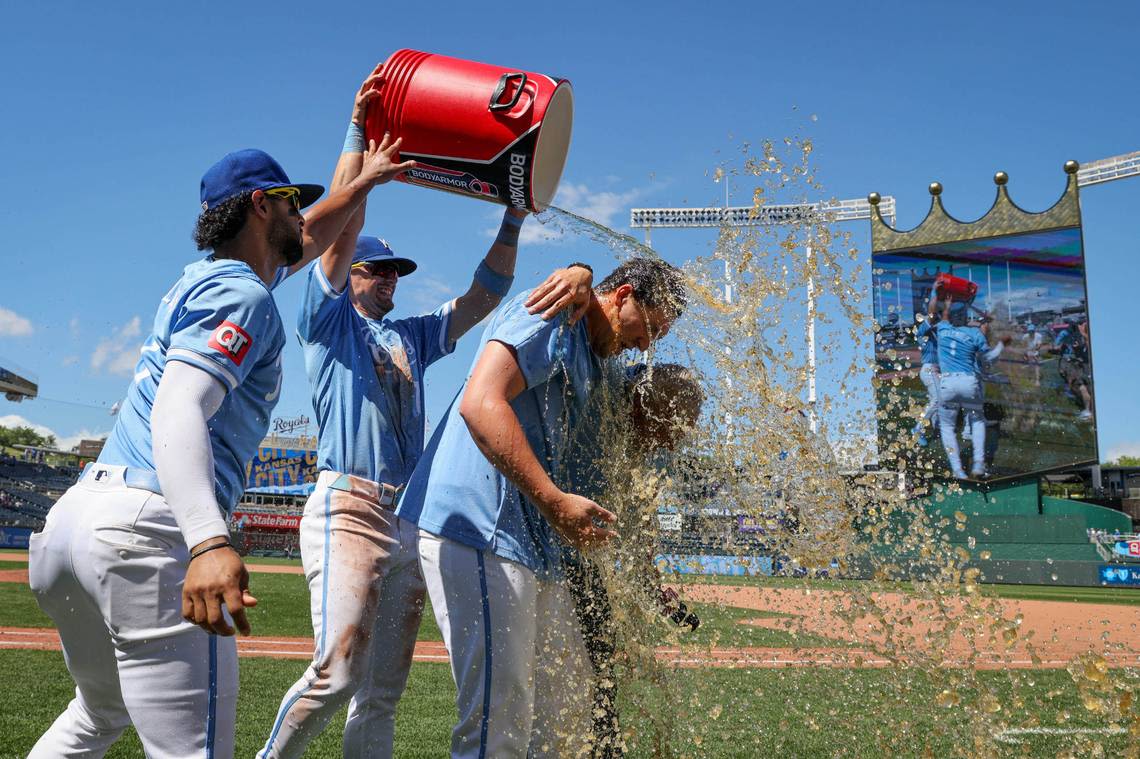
(959, 374)
(380, 492)
(134, 477)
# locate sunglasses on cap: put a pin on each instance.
(292, 194)
(376, 268)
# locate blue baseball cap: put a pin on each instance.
(375, 249)
(246, 171)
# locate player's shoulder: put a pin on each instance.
(224, 278)
(513, 319)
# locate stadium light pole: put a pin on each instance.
(854, 209)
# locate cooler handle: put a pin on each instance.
(495, 105)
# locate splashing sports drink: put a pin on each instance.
(486, 131)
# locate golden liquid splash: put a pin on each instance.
(914, 655)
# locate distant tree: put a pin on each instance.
(10, 436)
(1125, 461)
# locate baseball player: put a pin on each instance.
(962, 350)
(134, 564)
(366, 371)
(483, 492)
(1072, 343)
(646, 411)
(929, 375)
(1034, 342)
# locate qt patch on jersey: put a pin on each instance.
(231, 340)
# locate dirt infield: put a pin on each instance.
(954, 631)
(899, 632)
(878, 630)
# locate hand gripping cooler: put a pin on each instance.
(493, 133)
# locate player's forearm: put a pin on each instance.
(187, 397)
(337, 259)
(495, 428)
(328, 219)
(492, 279)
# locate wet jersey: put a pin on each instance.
(367, 379)
(928, 339)
(959, 348)
(456, 493)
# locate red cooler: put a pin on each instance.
(961, 290)
(486, 131)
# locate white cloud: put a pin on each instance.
(599, 206)
(74, 325)
(118, 353)
(62, 443)
(72, 441)
(15, 420)
(1126, 448)
(423, 293)
(14, 325)
(70, 361)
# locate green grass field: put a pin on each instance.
(741, 712)
(801, 712)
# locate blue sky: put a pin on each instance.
(113, 111)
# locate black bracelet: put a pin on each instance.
(587, 267)
(208, 549)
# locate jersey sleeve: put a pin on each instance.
(429, 333)
(540, 346)
(923, 328)
(224, 327)
(319, 304)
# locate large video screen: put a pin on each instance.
(999, 383)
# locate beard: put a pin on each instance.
(286, 240)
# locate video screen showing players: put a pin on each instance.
(1004, 387)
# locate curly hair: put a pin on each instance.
(654, 282)
(223, 222)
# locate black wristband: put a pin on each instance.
(509, 231)
(210, 548)
(587, 267)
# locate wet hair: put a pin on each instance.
(665, 400)
(655, 283)
(223, 222)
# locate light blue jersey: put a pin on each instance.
(960, 349)
(928, 339)
(456, 493)
(367, 379)
(219, 317)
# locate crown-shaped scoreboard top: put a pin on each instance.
(1003, 218)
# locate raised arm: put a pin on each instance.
(495, 428)
(338, 219)
(492, 279)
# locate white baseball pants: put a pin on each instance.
(961, 390)
(931, 378)
(366, 599)
(524, 679)
(108, 569)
